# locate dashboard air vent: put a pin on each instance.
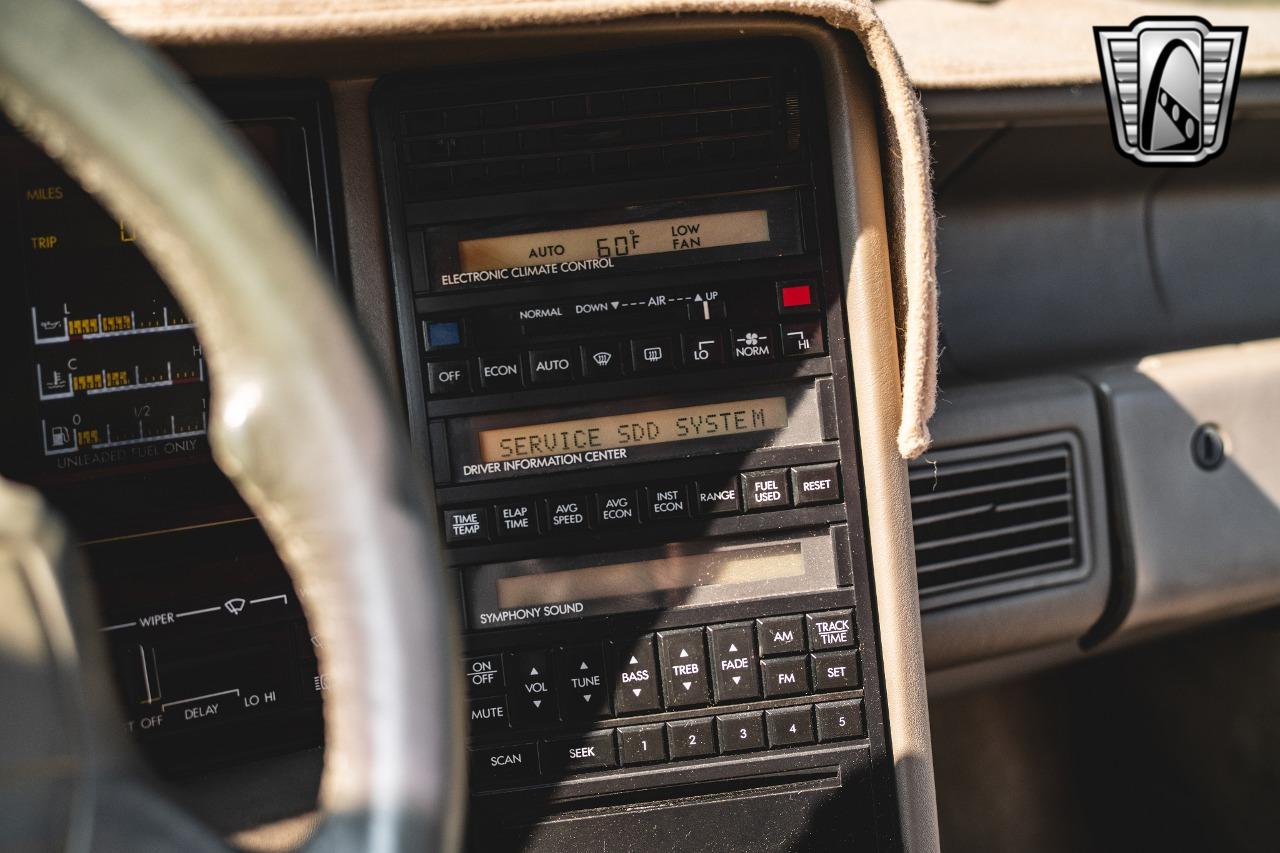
(983, 517)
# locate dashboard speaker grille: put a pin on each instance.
(981, 516)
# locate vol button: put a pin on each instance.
(529, 696)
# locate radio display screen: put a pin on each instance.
(634, 429)
(657, 236)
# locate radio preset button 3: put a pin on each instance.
(616, 508)
(448, 377)
(803, 338)
(816, 484)
(704, 349)
(567, 514)
(551, 366)
(516, 519)
(652, 355)
(718, 497)
(755, 343)
(466, 525)
(765, 490)
(499, 372)
(740, 732)
(666, 501)
(684, 667)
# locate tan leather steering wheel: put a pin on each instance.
(341, 499)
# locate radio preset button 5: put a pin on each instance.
(516, 519)
(616, 508)
(765, 490)
(803, 338)
(684, 667)
(816, 484)
(755, 343)
(718, 497)
(652, 355)
(635, 687)
(666, 501)
(601, 361)
(568, 514)
(551, 366)
(448, 377)
(704, 349)
(499, 372)
(466, 525)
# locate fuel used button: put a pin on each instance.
(765, 490)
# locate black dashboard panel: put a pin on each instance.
(106, 412)
(625, 354)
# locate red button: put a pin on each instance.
(796, 296)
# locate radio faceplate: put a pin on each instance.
(641, 446)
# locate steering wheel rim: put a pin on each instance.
(350, 520)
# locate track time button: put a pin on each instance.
(765, 490)
(830, 630)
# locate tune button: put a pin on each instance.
(581, 682)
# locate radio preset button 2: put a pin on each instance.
(816, 484)
(718, 497)
(803, 338)
(516, 519)
(704, 349)
(684, 667)
(551, 366)
(652, 355)
(735, 668)
(691, 738)
(499, 372)
(635, 686)
(765, 490)
(601, 361)
(448, 377)
(616, 508)
(567, 514)
(755, 343)
(466, 525)
(667, 501)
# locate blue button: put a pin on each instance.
(444, 334)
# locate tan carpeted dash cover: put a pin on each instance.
(907, 168)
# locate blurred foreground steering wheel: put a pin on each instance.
(338, 497)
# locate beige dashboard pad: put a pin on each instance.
(909, 197)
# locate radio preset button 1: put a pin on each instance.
(718, 497)
(466, 525)
(529, 698)
(516, 519)
(499, 372)
(755, 343)
(691, 738)
(735, 668)
(704, 349)
(484, 675)
(780, 635)
(601, 361)
(652, 355)
(666, 501)
(642, 744)
(448, 377)
(765, 490)
(616, 508)
(830, 630)
(684, 667)
(551, 366)
(803, 338)
(635, 686)
(581, 682)
(785, 676)
(567, 514)
(816, 484)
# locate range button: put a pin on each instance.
(718, 496)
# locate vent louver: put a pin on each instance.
(983, 517)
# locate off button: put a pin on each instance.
(765, 490)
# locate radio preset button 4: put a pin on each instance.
(756, 343)
(551, 366)
(765, 490)
(499, 372)
(448, 377)
(516, 519)
(466, 525)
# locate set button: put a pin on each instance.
(835, 670)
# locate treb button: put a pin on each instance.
(684, 667)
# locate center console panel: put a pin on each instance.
(626, 360)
